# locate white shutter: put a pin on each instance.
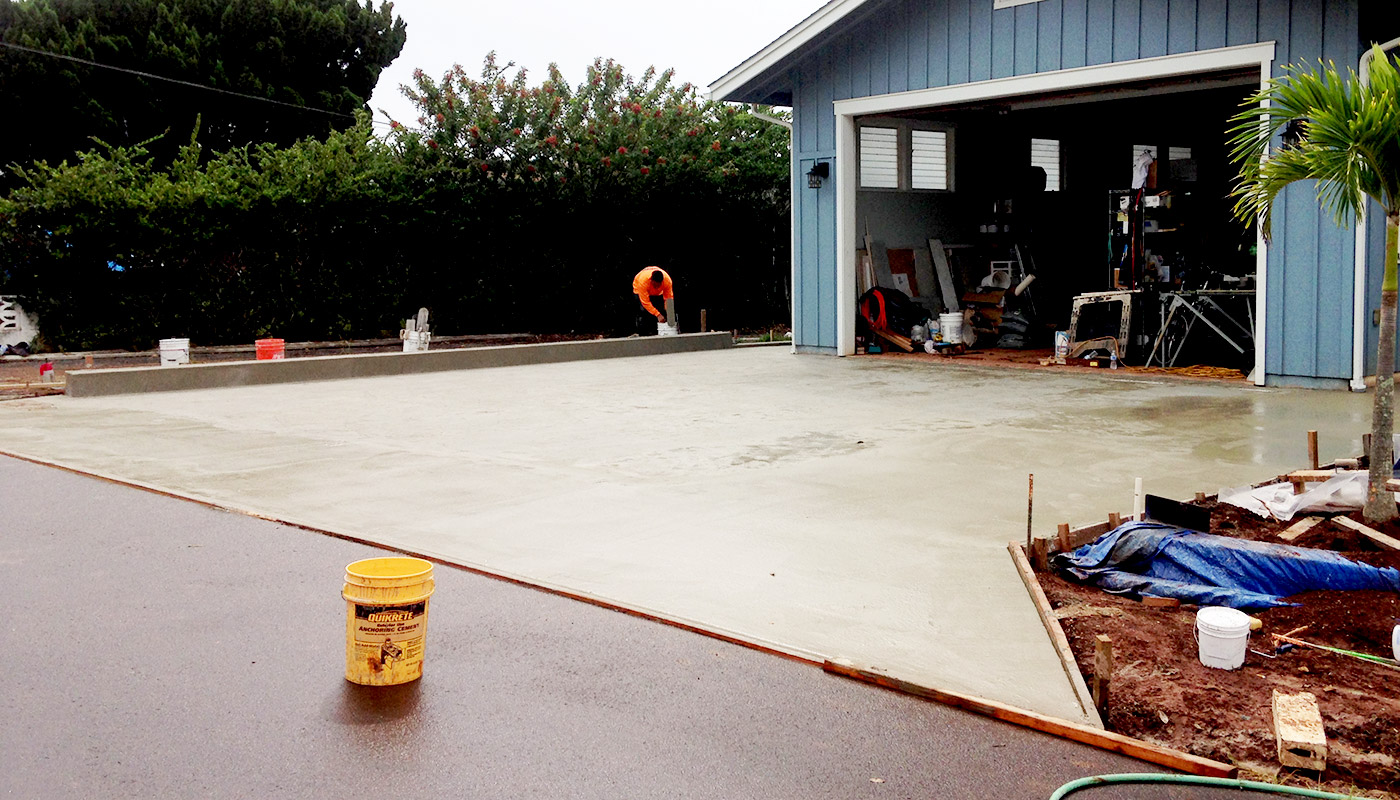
(928, 160)
(1045, 153)
(879, 158)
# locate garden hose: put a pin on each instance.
(1192, 780)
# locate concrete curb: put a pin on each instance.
(103, 382)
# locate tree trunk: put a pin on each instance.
(1380, 504)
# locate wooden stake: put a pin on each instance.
(1103, 673)
(1040, 554)
(1200, 497)
(1312, 450)
(1114, 519)
(1062, 537)
(703, 327)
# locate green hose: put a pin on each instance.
(1191, 780)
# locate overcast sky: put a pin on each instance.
(702, 41)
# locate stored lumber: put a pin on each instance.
(1369, 532)
(1299, 528)
(1056, 633)
(1107, 740)
(902, 342)
(1103, 673)
(1302, 741)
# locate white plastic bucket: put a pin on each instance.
(951, 325)
(415, 341)
(1222, 636)
(174, 352)
(666, 329)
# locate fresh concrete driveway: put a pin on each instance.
(850, 509)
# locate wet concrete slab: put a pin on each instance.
(160, 649)
(852, 509)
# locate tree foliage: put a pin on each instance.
(1342, 134)
(321, 54)
(506, 211)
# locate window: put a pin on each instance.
(1045, 153)
(1010, 3)
(879, 158)
(928, 160)
(1179, 154)
(907, 155)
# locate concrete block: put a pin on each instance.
(1302, 742)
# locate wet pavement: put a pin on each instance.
(156, 648)
(848, 509)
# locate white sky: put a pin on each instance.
(702, 41)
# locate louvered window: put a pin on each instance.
(1045, 153)
(928, 160)
(879, 158)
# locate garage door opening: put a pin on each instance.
(1103, 212)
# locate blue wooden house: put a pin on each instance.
(915, 120)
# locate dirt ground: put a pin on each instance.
(1162, 693)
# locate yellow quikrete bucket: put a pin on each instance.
(386, 619)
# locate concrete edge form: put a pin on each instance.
(104, 382)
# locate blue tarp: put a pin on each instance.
(1138, 558)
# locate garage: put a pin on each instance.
(922, 130)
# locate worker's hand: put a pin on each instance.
(661, 318)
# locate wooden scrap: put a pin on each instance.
(1300, 478)
(1200, 497)
(1300, 527)
(1160, 602)
(1312, 449)
(1349, 463)
(945, 275)
(1103, 673)
(902, 342)
(1302, 741)
(1392, 485)
(1369, 532)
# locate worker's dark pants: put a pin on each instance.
(646, 323)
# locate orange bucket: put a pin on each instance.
(269, 349)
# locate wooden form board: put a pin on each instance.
(1370, 533)
(945, 274)
(1055, 632)
(1094, 737)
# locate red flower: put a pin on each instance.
(394, 124)
(622, 151)
(432, 144)
(485, 168)
(661, 160)
(715, 146)
(693, 132)
(441, 118)
(551, 140)
(646, 151)
(657, 114)
(530, 168)
(476, 131)
(607, 162)
(645, 171)
(516, 131)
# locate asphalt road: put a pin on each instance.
(156, 648)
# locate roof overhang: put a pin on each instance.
(755, 76)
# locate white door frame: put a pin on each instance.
(1259, 55)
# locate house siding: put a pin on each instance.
(902, 45)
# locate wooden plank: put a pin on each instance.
(1312, 449)
(1311, 475)
(1299, 528)
(1058, 640)
(704, 327)
(1160, 602)
(1392, 485)
(1370, 533)
(1105, 740)
(1114, 519)
(902, 342)
(1103, 673)
(945, 275)
(1078, 537)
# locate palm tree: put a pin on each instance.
(1343, 133)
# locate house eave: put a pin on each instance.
(756, 73)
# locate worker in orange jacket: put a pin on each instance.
(653, 287)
